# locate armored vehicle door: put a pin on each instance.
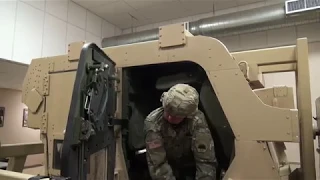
(90, 124)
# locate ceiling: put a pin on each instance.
(12, 74)
(132, 13)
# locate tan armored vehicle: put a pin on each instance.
(91, 100)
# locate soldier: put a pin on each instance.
(178, 141)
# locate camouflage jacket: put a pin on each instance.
(167, 145)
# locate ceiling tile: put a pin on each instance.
(164, 11)
(250, 4)
(142, 4)
(245, 2)
(194, 7)
(225, 11)
(125, 20)
(223, 4)
(93, 3)
(271, 2)
(112, 7)
(199, 0)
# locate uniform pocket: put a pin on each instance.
(203, 147)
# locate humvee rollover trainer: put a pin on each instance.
(94, 101)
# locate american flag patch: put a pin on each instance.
(154, 144)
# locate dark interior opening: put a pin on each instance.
(142, 89)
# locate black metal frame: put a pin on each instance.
(90, 125)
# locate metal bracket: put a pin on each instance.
(74, 50)
(172, 35)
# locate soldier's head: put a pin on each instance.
(180, 101)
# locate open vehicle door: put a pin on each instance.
(90, 125)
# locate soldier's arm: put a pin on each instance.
(203, 149)
(156, 155)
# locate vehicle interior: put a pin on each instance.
(144, 86)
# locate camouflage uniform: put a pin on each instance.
(170, 147)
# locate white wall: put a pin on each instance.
(12, 132)
(33, 29)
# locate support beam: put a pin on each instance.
(16, 164)
(277, 68)
(262, 56)
(305, 115)
(24, 149)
